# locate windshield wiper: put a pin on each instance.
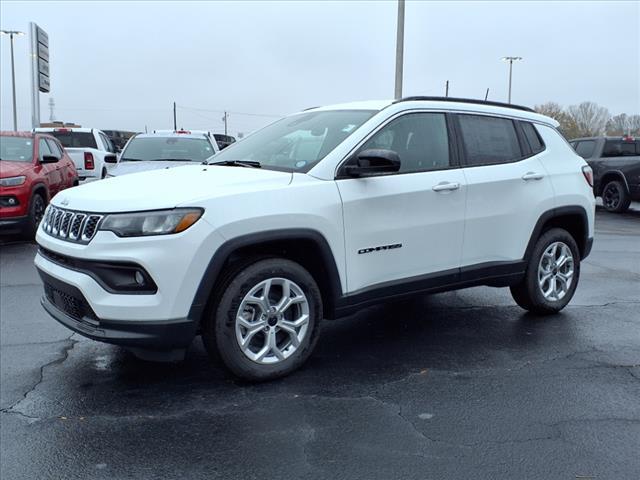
(238, 163)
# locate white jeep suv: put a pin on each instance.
(316, 216)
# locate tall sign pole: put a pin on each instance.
(39, 70)
(399, 49)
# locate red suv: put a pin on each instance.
(33, 168)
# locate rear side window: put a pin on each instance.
(489, 140)
(585, 148)
(533, 137)
(75, 139)
(621, 148)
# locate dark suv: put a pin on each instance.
(616, 169)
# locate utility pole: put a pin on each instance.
(399, 49)
(11, 34)
(224, 119)
(510, 60)
(446, 89)
(175, 122)
(52, 105)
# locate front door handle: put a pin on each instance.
(532, 176)
(446, 186)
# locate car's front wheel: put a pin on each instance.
(552, 274)
(615, 197)
(36, 212)
(267, 320)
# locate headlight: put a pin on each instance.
(158, 222)
(12, 181)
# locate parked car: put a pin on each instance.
(119, 138)
(616, 169)
(278, 232)
(90, 149)
(151, 151)
(33, 168)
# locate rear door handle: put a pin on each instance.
(532, 176)
(446, 186)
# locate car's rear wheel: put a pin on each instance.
(552, 274)
(267, 320)
(37, 206)
(615, 197)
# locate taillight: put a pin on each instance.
(588, 175)
(88, 161)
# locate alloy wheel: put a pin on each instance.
(555, 271)
(272, 320)
(611, 196)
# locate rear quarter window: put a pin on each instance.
(532, 137)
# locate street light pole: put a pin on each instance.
(11, 34)
(510, 60)
(399, 49)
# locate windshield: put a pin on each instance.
(75, 139)
(298, 142)
(16, 149)
(167, 148)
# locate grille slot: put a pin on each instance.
(76, 308)
(69, 225)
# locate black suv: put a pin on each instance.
(616, 169)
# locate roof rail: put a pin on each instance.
(466, 100)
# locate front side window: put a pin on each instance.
(16, 149)
(585, 148)
(296, 143)
(71, 139)
(54, 147)
(489, 140)
(180, 149)
(43, 148)
(421, 141)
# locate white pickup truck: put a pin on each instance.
(90, 149)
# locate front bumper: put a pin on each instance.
(9, 225)
(68, 306)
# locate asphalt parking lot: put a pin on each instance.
(456, 385)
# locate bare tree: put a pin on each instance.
(590, 119)
(634, 125)
(554, 110)
(618, 125)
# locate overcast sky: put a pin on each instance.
(120, 65)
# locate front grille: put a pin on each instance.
(76, 308)
(69, 225)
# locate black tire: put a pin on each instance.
(37, 205)
(103, 175)
(528, 294)
(219, 329)
(615, 197)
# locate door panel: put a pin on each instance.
(417, 230)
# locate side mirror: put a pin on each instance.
(374, 162)
(111, 159)
(49, 159)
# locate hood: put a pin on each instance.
(124, 168)
(168, 188)
(13, 169)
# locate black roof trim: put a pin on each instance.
(466, 100)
